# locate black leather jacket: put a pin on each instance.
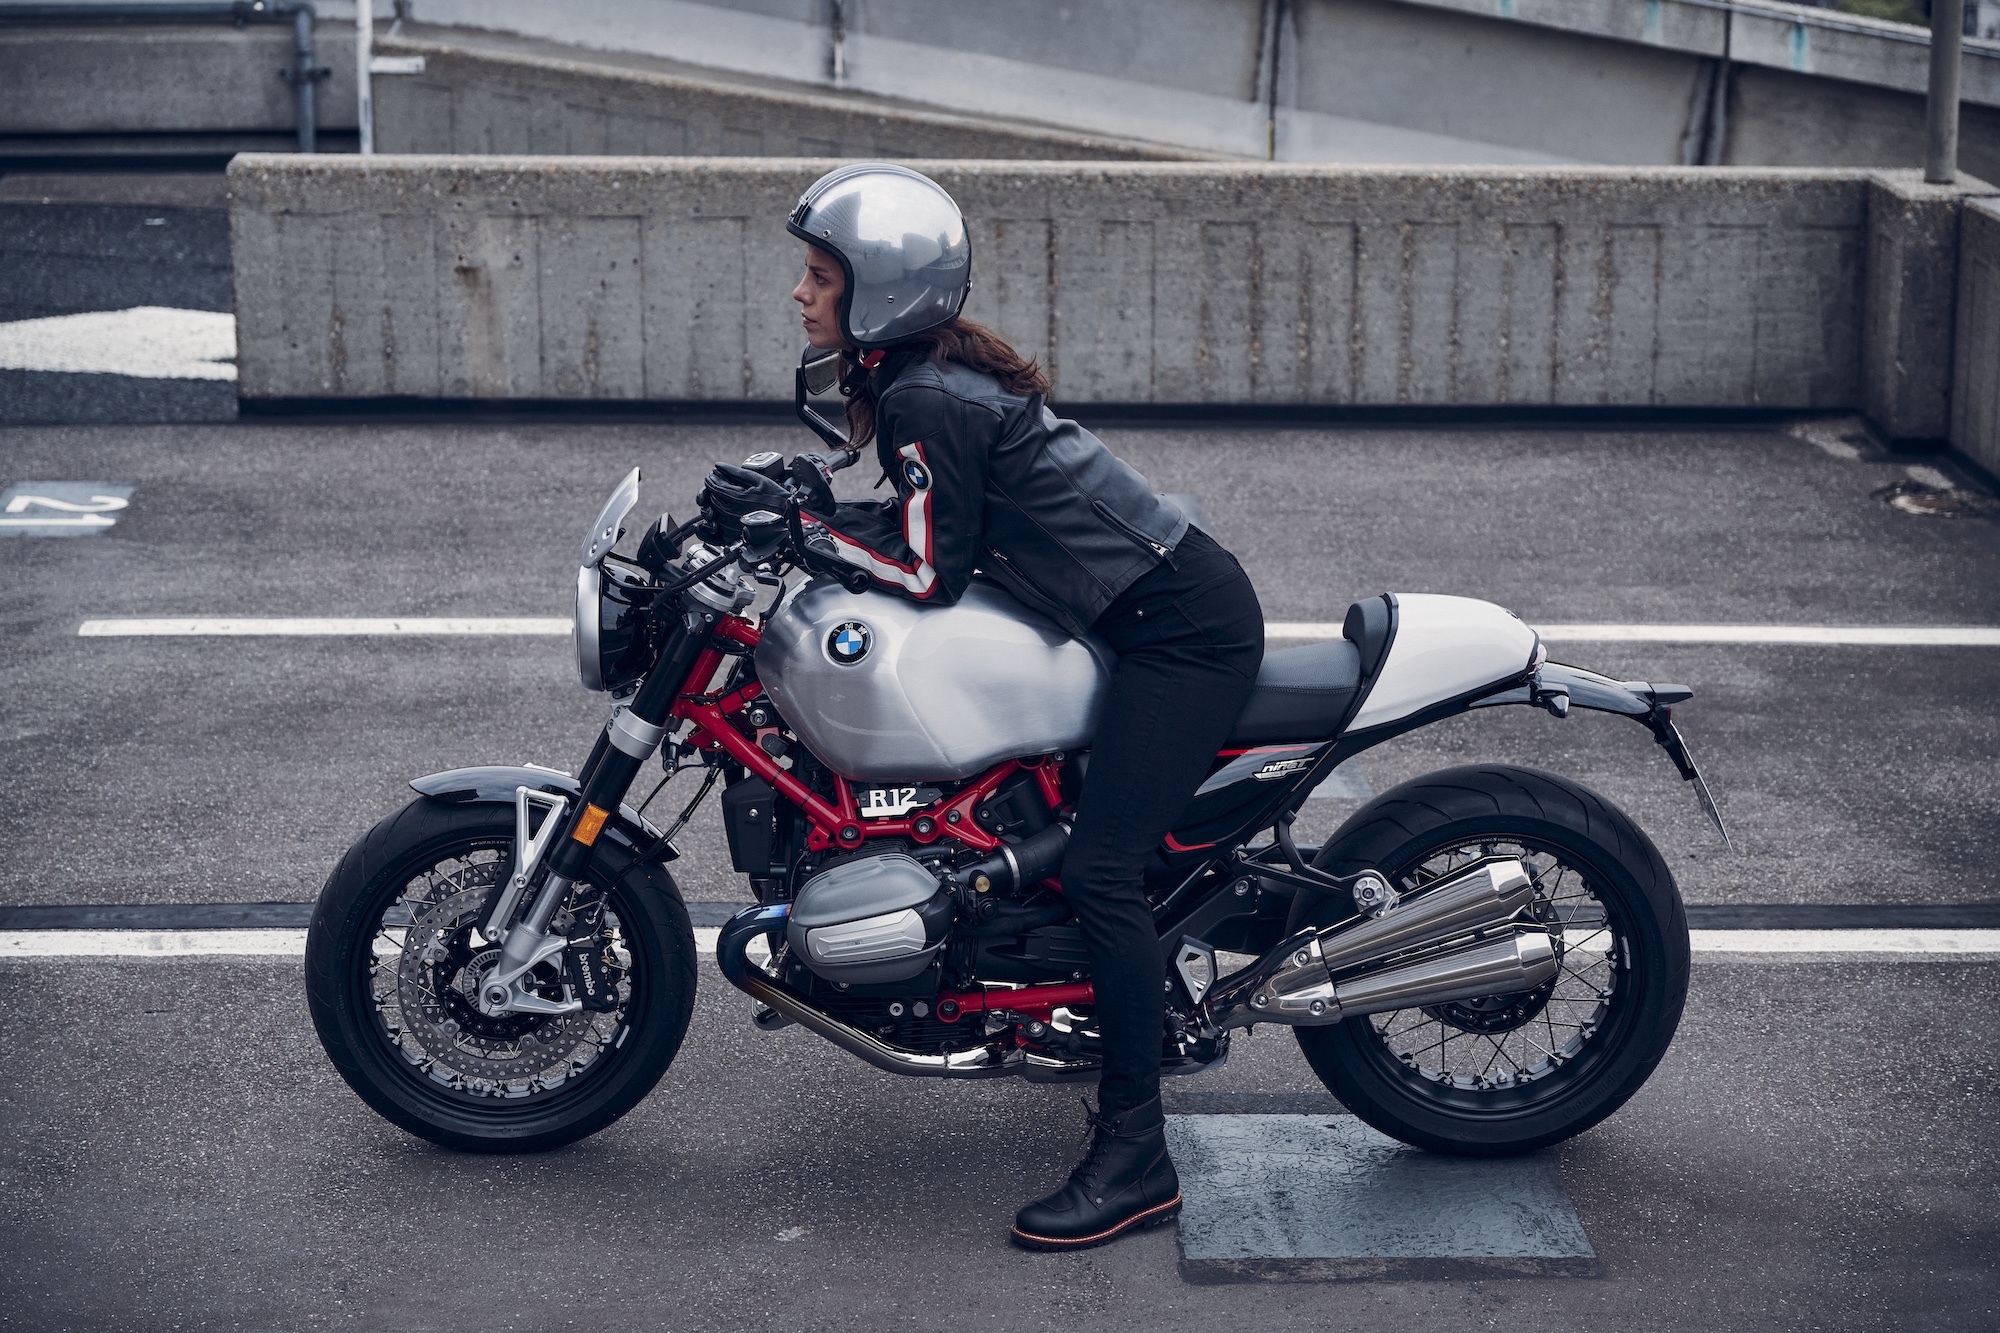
(995, 482)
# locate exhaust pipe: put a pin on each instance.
(1294, 983)
(784, 1002)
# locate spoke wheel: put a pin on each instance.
(394, 961)
(1499, 1074)
(1517, 1050)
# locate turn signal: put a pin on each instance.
(592, 823)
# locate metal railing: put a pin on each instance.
(303, 75)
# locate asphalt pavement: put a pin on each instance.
(1817, 1150)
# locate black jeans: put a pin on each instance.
(1189, 638)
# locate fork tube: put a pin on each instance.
(631, 738)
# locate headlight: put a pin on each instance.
(608, 629)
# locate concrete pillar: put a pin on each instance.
(1907, 332)
(1975, 403)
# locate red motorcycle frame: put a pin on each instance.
(838, 824)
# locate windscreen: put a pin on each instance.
(604, 532)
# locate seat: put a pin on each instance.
(1301, 694)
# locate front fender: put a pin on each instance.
(494, 784)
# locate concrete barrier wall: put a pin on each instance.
(475, 96)
(113, 78)
(1976, 402)
(1390, 81)
(664, 279)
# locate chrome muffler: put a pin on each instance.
(1299, 982)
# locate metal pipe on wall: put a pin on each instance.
(1941, 108)
(364, 52)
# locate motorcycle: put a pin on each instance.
(1484, 960)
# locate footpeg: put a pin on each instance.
(769, 1019)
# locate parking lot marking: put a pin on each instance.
(1316, 1197)
(1907, 636)
(1846, 941)
(311, 626)
(32, 943)
(1914, 636)
(62, 508)
(191, 943)
(150, 342)
(148, 943)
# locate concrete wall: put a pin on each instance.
(207, 78)
(1913, 266)
(475, 96)
(1388, 81)
(1433, 81)
(1134, 283)
(1976, 404)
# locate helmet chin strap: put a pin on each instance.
(870, 360)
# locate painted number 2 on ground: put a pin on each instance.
(61, 508)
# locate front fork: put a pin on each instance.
(629, 739)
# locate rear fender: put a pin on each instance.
(494, 784)
(1556, 688)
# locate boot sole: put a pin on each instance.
(1157, 1215)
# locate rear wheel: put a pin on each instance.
(394, 958)
(1512, 1073)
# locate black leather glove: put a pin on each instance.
(730, 492)
(812, 478)
(820, 555)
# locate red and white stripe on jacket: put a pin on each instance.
(919, 576)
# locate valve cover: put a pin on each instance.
(874, 920)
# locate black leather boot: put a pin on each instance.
(1124, 1182)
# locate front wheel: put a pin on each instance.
(394, 959)
(1511, 1073)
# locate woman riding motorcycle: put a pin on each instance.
(990, 482)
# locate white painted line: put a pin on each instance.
(1974, 636)
(193, 943)
(308, 626)
(80, 521)
(1971, 941)
(1910, 636)
(187, 943)
(148, 943)
(151, 342)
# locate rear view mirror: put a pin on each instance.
(819, 378)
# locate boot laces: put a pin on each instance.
(1098, 1133)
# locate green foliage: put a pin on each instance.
(1896, 11)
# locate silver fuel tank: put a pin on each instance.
(889, 691)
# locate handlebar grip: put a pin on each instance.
(854, 580)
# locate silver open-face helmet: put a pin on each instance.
(901, 242)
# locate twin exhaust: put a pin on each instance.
(1317, 976)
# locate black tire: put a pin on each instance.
(1637, 963)
(391, 1057)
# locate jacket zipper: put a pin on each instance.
(1111, 516)
(1026, 582)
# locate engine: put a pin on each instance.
(869, 922)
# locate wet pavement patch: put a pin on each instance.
(1308, 1198)
(62, 508)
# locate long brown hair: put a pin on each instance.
(961, 340)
